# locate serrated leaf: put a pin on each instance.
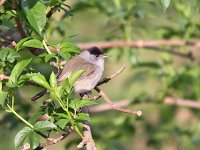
(165, 4)
(69, 47)
(85, 102)
(65, 55)
(77, 103)
(39, 79)
(53, 80)
(34, 43)
(19, 44)
(83, 117)
(21, 136)
(47, 56)
(44, 126)
(17, 70)
(34, 139)
(62, 123)
(3, 96)
(35, 12)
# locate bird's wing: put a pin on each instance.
(74, 65)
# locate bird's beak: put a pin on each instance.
(104, 56)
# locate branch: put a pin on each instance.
(106, 107)
(3, 77)
(139, 43)
(150, 45)
(88, 139)
(182, 102)
(51, 11)
(114, 106)
(54, 141)
(167, 101)
(105, 80)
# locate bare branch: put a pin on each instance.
(114, 106)
(182, 102)
(151, 45)
(54, 141)
(105, 80)
(167, 101)
(106, 107)
(3, 77)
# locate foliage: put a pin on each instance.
(122, 20)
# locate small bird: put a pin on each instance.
(92, 62)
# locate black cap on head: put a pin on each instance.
(95, 51)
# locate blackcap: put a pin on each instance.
(92, 62)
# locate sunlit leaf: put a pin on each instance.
(35, 12)
(44, 126)
(34, 43)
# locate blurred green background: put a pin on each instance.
(149, 76)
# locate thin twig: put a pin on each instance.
(51, 11)
(106, 106)
(105, 80)
(54, 141)
(116, 107)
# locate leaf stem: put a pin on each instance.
(46, 47)
(20, 117)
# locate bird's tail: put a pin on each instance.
(39, 95)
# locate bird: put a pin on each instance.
(91, 61)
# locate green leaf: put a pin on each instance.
(35, 12)
(39, 79)
(75, 76)
(69, 47)
(83, 117)
(77, 103)
(21, 136)
(4, 53)
(3, 96)
(19, 44)
(165, 4)
(85, 102)
(62, 115)
(8, 54)
(44, 126)
(62, 123)
(53, 80)
(33, 43)
(17, 70)
(47, 56)
(12, 56)
(65, 55)
(34, 139)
